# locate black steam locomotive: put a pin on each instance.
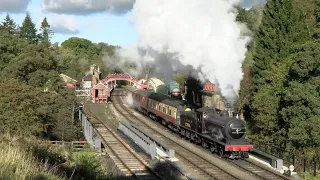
(206, 126)
(216, 131)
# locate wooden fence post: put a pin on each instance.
(314, 166)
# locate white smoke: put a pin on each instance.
(128, 99)
(125, 58)
(200, 33)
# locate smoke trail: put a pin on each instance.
(200, 33)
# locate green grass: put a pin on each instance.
(309, 176)
(17, 164)
(31, 159)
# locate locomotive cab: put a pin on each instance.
(203, 114)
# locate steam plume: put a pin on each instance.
(199, 33)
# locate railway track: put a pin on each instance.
(258, 170)
(204, 168)
(253, 168)
(128, 162)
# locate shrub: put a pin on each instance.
(87, 166)
(17, 164)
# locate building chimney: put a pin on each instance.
(208, 86)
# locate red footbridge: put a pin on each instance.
(99, 91)
(124, 77)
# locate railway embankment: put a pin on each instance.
(25, 158)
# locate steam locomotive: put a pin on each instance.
(209, 127)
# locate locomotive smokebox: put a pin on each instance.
(228, 129)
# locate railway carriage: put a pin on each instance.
(205, 126)
(166, 108)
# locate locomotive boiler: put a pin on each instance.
(227, 130)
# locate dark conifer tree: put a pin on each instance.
(28, 29)
(274, 44)
(8, 25)
(301, 101)
(46, 32)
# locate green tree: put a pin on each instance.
(31, 59)
(45, 32)
(28, 29)
(10, 47)
(273, 46)
(9, 25)
(301, 100)
(22, 109)
(81, 47)
(252, 18)
(180, 79)
(241, 14)
(64, 128)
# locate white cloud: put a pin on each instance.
(85, 7)
(63, 24)
(14, 6)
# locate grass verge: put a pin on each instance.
(24, 159)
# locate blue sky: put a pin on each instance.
(96, 20)
(97, 27)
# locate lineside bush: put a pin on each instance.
(17, 164)
(25, 159)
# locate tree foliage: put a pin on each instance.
(81, 47)
(8, 25)
(22, 109)
(301, 101)
(28, 29)
(280, 89)
(45, 33)
(180, 79)
(29, 64)
(80, 53)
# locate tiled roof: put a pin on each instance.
(88, 77)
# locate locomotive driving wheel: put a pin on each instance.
(221, 153)
(213, 148)
(204, 144)
(192, 137)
